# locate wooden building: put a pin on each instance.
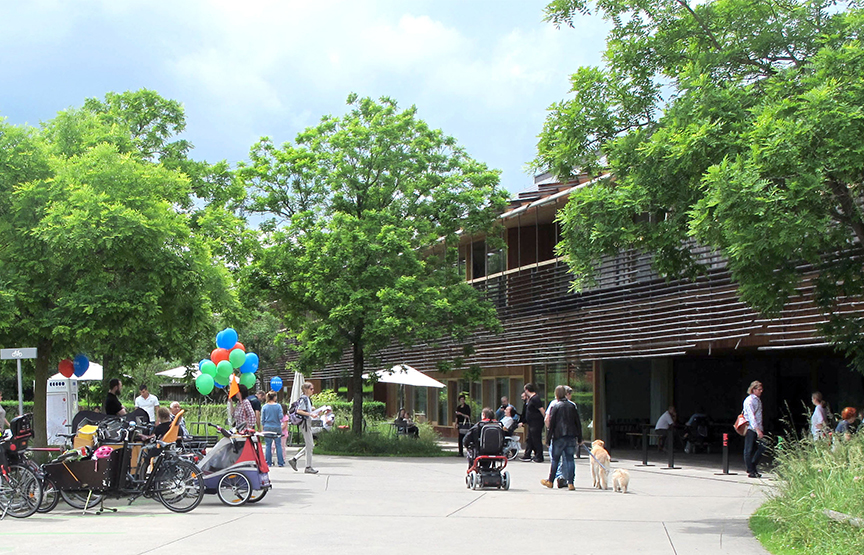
(631, 345)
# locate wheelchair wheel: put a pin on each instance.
(470, 478)
(505, 480)
(234, 489)
(478, 481)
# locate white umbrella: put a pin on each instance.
(94, 372)
(180, 372)
(297, 386)
(406, 375)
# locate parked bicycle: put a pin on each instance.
(20, 487)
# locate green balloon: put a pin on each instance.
(204, 384)
(208, 368)
(248, 379)
(237, 357)
(224, 370)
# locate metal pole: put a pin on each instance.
(20, 391)
(725, 458)
(670, 448)
(645, 445)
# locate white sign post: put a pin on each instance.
(18, 354)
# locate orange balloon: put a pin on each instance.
(218, 355)
(66, 368)
(238, 345)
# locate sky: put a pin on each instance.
(483, 71)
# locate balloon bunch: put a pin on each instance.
(77, 366)
(229, 355)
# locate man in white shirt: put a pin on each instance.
(147, 402)
(668, 419)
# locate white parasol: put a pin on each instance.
(297, 386)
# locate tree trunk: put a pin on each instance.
(357, 387)
(40, 393)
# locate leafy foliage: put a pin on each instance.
(380, 443)
(728, 123)
(812, 478)
(98, 252)
(364, 214)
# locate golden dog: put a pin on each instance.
(601, 457)
(620, 480)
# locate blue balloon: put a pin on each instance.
(228, 338)
(219, 385)
(81, 364)
(275, 383)
(251, 362)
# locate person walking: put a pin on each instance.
(463, 422)
(819, 418)
(271, 422)
(305, 410)
(565, 433)
(754, 447)
(535, 415)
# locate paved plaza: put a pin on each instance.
(419, 506)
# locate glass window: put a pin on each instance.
(420, 402)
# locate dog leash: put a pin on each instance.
(593, 457)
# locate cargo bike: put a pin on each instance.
(121, 464)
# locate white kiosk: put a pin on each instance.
(61, 402)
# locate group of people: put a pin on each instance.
(272, 418)
(560, 419)
(259, 412)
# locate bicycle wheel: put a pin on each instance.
(77, 499)
(178, 485)
(258, 495)
(20, 492)
(234, 489)
(50, 496)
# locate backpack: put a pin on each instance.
(293, 417)
(491, 439)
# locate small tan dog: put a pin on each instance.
(600, 457)
(620, 480)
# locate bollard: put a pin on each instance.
(725, 458)
(670, 448)
(644, 447)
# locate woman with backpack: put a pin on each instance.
(304, 409)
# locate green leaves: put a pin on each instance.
(365, 210)
(755, 149)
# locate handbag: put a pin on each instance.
(741, 425)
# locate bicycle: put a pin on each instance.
(20, 487)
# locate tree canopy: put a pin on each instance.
(734, 124)
(97, 253)
(365, 211)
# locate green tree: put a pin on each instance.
(362, 245)
(732, 124)
(96, 251)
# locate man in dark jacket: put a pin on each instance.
(565, 433)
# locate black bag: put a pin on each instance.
(491, 440)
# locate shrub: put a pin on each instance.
(379, 440)
(812, 478)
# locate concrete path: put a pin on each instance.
(421, 506)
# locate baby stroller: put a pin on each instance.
(489, 460)
(235, 469)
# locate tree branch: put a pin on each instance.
(847, 205)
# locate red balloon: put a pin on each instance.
(66, 367)
(238, 345)
(218, 355)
